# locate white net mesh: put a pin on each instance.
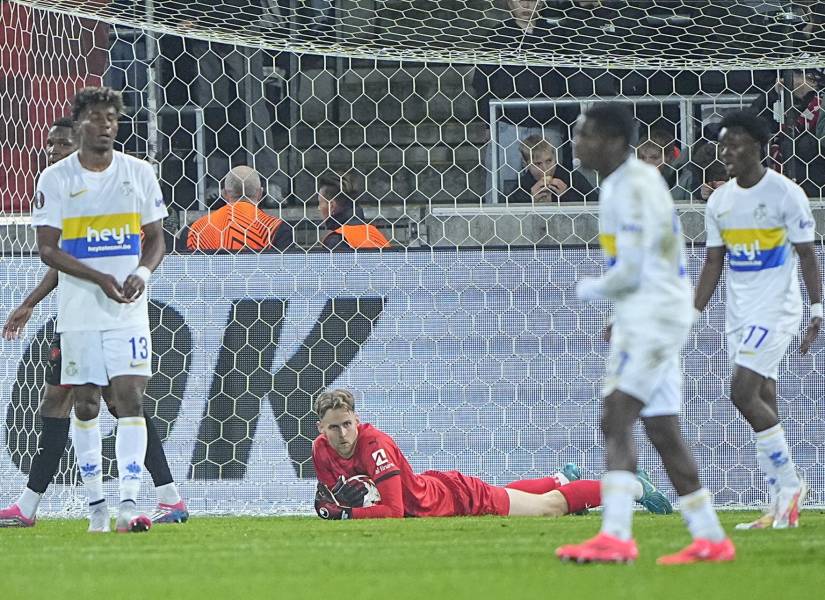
(465, 342)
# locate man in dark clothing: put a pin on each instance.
(543, 180)
(344, 219)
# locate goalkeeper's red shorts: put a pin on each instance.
(471, 495)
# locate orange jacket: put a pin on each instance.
(361, 237)
(236, 226)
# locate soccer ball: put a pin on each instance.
(373, 496)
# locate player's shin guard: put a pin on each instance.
(130, 450)
(700, 517)
(88, 449)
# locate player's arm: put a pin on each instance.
(812, 277)
(709, 277)
(392, 500)
(625, 276)
(801, 228)
(337, 504)
(18, 318)
(48, 239)
(151, 255)
(714, 258)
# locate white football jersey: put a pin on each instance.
(100, 215)
(640, 235)
(758, 226)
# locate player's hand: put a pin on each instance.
(810, 335)
(329, 511)
(16, 321)
(327, 507)
(112, 289)
(556, 185)
(133, 287)
(350, 493)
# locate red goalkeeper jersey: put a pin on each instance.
(403, 493)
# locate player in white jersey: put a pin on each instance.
(641, 237)
(762, 220)
(89, 211)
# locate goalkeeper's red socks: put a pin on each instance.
(581, 495)
(535, 486)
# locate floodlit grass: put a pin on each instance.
(425, 559)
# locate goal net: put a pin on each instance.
(464, 341)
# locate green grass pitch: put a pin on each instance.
(424, 559)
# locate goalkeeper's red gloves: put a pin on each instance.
(327, 506)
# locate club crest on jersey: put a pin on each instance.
(127, 189)
(760, 213)
(39, 200)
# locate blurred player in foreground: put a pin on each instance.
(56, 404)
(763, 221)
(89, 211)
(640, 235)
(362, 474)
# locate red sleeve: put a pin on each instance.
(392, 500)
(323, 470)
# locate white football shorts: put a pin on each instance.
(759, 349)
(646, 364)
(98, 356)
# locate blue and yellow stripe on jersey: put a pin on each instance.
(100, 236)
(608, 243)
(756, 249)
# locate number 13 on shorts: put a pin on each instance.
(140, 348)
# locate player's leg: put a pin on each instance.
(83, 367)
(171, 508)
(618, 486)
(661, 421)
(753, 392)
(542, 485)
(128, 356)
(54, 434)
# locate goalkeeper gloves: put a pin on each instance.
(350, 493)
(327, 506)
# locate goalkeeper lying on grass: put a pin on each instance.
(362, 474)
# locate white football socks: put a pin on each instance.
(168, 494)
(773, 456)
(130, 450)
(700, 517)
(28, 502)
(88, 448)
(618, 490)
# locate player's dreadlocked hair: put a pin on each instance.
(332, 399)
(96, 95)
(754, 125)
(613, 120)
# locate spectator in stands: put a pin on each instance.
(712, 171)
(543, 180)
(239, 224)
(535, 25)
(659, 149)
(805, 136)
(343, 218)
